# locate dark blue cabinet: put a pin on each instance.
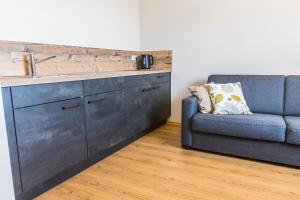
(147, 104)
(161, 102)
(137, 107)
(104, 120)
(51, 138)
(56, 130)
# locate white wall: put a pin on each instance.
(222, 36)
(91, 23)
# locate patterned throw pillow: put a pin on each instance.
(228, 99)
(204, 102)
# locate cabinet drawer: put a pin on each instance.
(133, 81)
(44, 93)
(97, 86)
(160, 78)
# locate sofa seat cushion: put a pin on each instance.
(292, 129)
(257, 126)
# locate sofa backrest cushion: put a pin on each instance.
(263, 93)
(292, 96)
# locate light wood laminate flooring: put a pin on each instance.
(155, 167)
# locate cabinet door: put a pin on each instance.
(161, 102)
(137, 106)
(103, 121)
(51, 138)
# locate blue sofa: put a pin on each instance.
(271, 134)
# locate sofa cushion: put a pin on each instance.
(292, 129)
(257, 126)
(204, 102)
(292, 96)
(228, 98)
(263, 93)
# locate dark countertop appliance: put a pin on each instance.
(144, 61)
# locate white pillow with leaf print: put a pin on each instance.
(228, 98)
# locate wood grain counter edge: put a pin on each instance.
(20, 81)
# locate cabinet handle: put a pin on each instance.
(95, 101)
(146, 90)
(71, 107)
(155, 88)
(160, 76)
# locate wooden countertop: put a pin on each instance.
(21, 80)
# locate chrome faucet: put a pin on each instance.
(33, 63)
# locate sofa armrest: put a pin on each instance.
(189, 108)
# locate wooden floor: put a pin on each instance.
(157, 168)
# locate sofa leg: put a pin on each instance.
(186, 147)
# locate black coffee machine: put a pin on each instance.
(144, 61)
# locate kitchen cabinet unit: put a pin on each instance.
(161, 97)
(161, 104)
(104, 121)
(56, 130)
(51, 138)
(137, 108)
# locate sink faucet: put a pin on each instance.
(33, 63)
